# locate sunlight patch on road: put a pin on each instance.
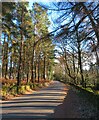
(40, 103)
(28, 110)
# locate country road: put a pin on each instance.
(40, 104)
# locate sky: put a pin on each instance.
(44, 3)
(53, 14)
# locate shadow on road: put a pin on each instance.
(39, 105)
(69, 108)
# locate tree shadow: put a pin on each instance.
(39, 105)
(69, 108)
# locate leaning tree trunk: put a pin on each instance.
(94, 25)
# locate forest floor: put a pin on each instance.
(56, 101)
(7, 93)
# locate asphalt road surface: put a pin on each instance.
(37, 105)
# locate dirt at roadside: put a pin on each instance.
(75, 107)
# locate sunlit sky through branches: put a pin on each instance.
(53, 15)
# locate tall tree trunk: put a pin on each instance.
(27, 70)
(23, 62)
(32, 65)
(47, 71)
(74, 67)
(80, 59)
(80, 64)
(67, 67)
(6, 60)
(20, 54)
(6, 71)
(19, 65)
(44, 67)
(35, 71)
(38, 68)
(10, 72)
(27, 78)
(3, 58)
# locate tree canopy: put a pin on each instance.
(32, 39)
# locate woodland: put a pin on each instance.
(32, 55)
